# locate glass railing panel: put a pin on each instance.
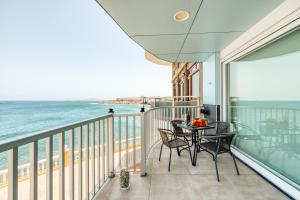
(270, 135)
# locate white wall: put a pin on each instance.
(211, 80)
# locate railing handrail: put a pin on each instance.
(160, 107)
(262, 107)
(127, 114)
(172, 97)
(28, 138)
(100, 144)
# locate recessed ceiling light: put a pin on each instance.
(181, 16)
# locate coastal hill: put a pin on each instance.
(123, 100)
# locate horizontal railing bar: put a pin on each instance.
(266, 108)
(142, 145)
(172, 97)
(127, 114)
(160, 107)
(19, 141)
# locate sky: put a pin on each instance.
(71, 50)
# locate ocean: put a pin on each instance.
(18, 118)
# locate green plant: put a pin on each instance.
(124, 179)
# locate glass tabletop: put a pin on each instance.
(194, 128)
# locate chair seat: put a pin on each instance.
(177, 143)
(184, 134)
(166, 136)
(211, 146)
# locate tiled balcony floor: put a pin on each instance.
(196, 183)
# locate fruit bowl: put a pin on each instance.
(200, 122)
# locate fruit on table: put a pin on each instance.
(199, 122)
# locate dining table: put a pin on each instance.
(197, 132)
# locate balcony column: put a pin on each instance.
(111, 167)
(190, 86)
(174, 88)
(178, 89)
(211, 80)
(186, 83)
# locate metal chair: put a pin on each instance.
(166, 136)
(218, 142)
(178, 132)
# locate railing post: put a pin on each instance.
(143, 144)
(13, 174)
(61, 165)
(33, 170)
(71, 166)
(111, 144)
(49, 168)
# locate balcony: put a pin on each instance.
(185, 181)
(79, 161)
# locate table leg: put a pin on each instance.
(195, 155)
(194, 139)
(198, 143)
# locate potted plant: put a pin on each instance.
(124, 179)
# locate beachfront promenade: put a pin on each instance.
(130, 157)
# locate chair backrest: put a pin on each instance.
(222, 127)
(165, 136)
(177, 129)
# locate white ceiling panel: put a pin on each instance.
(168, 57)
(212, 25)
(211, 42)
(161, 44)
(193, 57)
(231, 15)
(150, 17)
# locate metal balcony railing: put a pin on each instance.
(160, 117)
(174, 101)
(86, 154)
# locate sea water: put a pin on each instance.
(19, 118)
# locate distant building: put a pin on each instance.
(186, 79)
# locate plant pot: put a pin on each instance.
(127, 188)
(124, 179)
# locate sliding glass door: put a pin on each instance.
(264, 92)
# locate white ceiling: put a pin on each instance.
(212, 25)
